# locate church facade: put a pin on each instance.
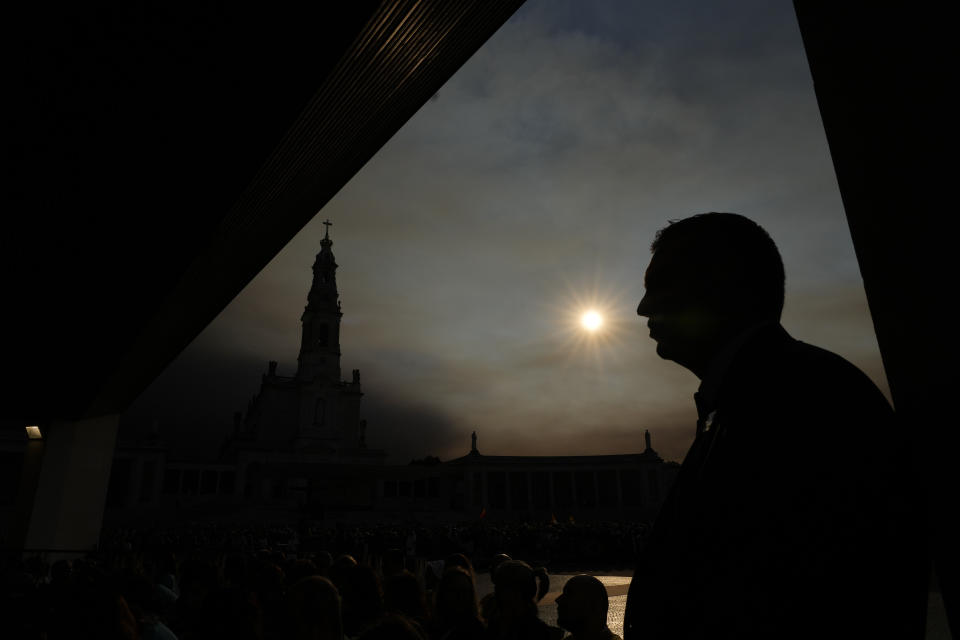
(535, 488)
(314, 411)
(300, 450)
(300, 429)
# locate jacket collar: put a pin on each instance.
(708, 394)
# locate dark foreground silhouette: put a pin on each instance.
(796, 510)
(267, 594)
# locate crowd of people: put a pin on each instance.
(559, 545)
(265, 582)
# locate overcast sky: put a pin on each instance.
(527, 190)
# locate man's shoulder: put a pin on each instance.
(782, 368)
(831, 372)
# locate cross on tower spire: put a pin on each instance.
(320, 343)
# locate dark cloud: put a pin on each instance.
(191, 404)
(193, 401)
(409, 428)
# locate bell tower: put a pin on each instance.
(319, 358)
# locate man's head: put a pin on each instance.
(711, 276)
(583, 605)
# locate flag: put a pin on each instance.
(553, 518)
(483, 513)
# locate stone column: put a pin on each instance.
(575, 506)
(27, 489)
(509, 497)
(619, 494)
(529, 478)
(550, 496)
(71, 490)
(596, 490)
(484, 493)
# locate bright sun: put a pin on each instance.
(591, 320)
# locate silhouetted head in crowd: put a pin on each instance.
(392, 562)
(712, 276)
(392, 628)
(344, 560)
(340, 570)
(198, 578)
(516, 589)
(268, 581)
(496, 561)
(362, 599)
(403, 594)
(582, 608)
(138, 591)
(313, 607)
(432, 570)
(231, 612)
(458, 560)
(299, 569)
(456, 599)
(322, 560)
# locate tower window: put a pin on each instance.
(322, 335)
(318, 411)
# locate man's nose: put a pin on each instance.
(643, 309)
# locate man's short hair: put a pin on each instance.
(735, 256)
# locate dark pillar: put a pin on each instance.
(69, 475)
(880, 72)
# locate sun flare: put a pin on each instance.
(591, 320)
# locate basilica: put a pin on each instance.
(300, 450)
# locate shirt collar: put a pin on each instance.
(707, 395)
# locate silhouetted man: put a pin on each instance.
(792, 514)
(582, 609)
